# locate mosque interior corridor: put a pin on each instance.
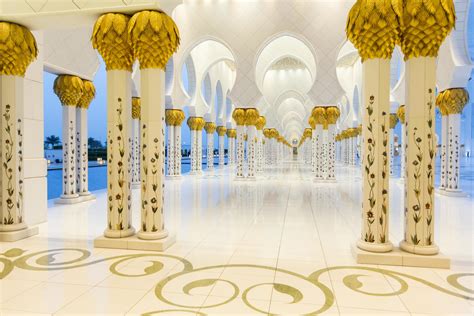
(279, 245)
(236, 157)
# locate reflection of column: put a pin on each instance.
(221, 131)
(251, 118)
(393, 123)
(108, 38)
(136, 143)
(401, 117)
(210, 130)
(420, 79)
(179, 118)
(18, 50)
(69, 89)
(195, 124)
(82, 136)
(170, 122)
(451, 103)
(375, 41)
(239, 116)
(154, 38)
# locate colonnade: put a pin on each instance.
(420, 40)
(323, 137)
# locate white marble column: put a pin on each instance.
(331, 152)
(375, 128)
(319, 153)
(393, 124)
(88, 95)
(136, 182)
(119, 99)
(420, 89)
(451, 103)
(69, 89)
(210, 129)
(231, 136)
(221, 131)
(153, 31)
(177, 149)
(195, 125)
(401, 117)
(18, 50)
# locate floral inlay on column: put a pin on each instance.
(239, 116)
(82, 139)
(221, 131)
(210, 129)
(110, 38)
(403, 159)
(393, 124)
(69, 89)
(135, 148)
(424, 27)
(451, 103)
(332, 114)
(374, 29)
(154, 37)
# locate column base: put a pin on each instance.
(118, 234)
(134, 243)
(324, 181)
(237, 178)
(452, 193)
(419, 250)
(398, 257)
(374, 247)
(14, 235)
(78, 199)
(152, 235)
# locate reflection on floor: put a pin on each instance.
(278, 245)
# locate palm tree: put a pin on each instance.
(52, 141)
(94, 143)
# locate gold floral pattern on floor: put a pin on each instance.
(311, 291)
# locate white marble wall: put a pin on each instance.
(34, 164)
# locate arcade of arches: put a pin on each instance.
(328, 168)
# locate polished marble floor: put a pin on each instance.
(278, 245)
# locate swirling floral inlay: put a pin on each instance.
(190, 278)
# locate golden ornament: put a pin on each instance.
(17, 49)
(88, 94)
(69, 89)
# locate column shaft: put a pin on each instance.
(119, 220)
(240, 151)
(332, 152)
(421, 150)
(252, 154)
(152, 81)
(69, 150)
(11, 179)
(443, 182)
(454, 151)
(135, 153)
(82, 152)
(221, 151)
(375, 129)
(177, 150)
(210, 151)
(171, 154)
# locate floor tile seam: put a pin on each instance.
(230, 259)
(73, 300)
(279, 246)
(22, 292)
(324, 255)
(138, 301)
